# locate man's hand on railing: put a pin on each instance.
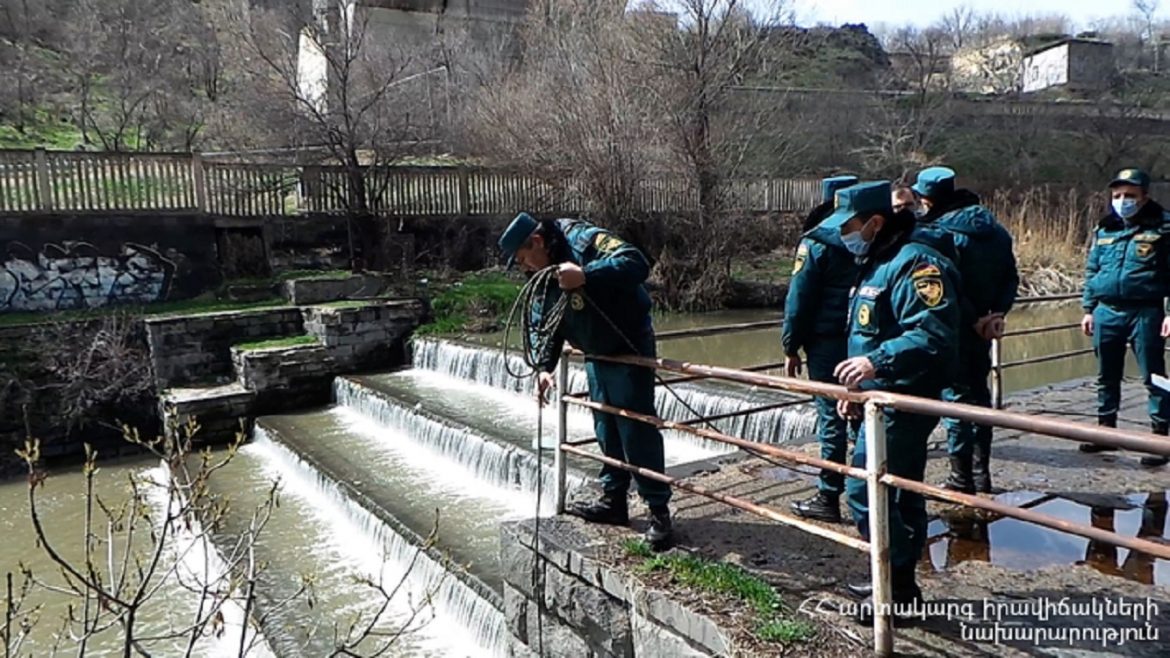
(851, 372)
(1087, 324)
(544, 382)
(792, 365)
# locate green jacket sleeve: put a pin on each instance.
(609, 260)
(800, 305)
(1088, 300)
(926, 304)
(1006, 298)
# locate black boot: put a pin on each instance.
(822, 506)
(1103, 421)
(981, 469)
(1150, 460)
(905, 594)
(610, 509)
(960, 478)
(661, 532)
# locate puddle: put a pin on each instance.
(964, 534)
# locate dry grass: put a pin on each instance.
(1051, 228)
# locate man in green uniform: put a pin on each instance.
(903, 319)
(1127, 281)
(608, 313)
(987, 267)
(815, 314)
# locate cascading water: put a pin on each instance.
(486, 367)
(460, 608)
(496, 463)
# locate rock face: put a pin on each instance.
(560, 600)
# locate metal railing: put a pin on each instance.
(875, 473)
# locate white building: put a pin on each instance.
(1073, 63)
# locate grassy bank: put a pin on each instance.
(476, 303)
(773, 621)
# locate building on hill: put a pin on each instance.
(1075, 64)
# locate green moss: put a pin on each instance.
(773, 624)
(183, 307)
(476, 303)
(287, 341)
(314, 275)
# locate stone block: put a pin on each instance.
(651, 639)
(516, 562)
(698, 629)
(552, 639)
(516, 612)
(602, 621)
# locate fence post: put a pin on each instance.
(879, 530)
(562, 430)
(464, 192)
(44, 180)
(199, 178)
(996, 373)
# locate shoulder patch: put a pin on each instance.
(606, 243)
(802, 250)
(929, 289)
(926, 270)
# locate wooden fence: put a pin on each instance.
(56, 181)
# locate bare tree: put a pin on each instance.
(907, 126)
(1147, 9)
(339, 85)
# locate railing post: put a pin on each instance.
(44, 180)
(996, 373)
(562, 430)
(199, 181)
(464, 192)
(879, 530)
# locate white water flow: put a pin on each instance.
(200, 570)
(355, 544)
(486, 367)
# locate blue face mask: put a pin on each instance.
(857, 245)
(1125, 207)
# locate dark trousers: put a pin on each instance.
(824, 353)
(1139, 326)
(632, 441)
(906, 439)
(964, 438)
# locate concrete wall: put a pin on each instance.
(580, 606)
(63, 261)
(196, 349)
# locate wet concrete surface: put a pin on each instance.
(997, 586)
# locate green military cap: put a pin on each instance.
(869, 198)
(934, 182)
(516, 235)
(1131, 177)
(829, 186)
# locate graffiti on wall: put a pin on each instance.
(75, 275)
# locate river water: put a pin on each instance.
(443, 450)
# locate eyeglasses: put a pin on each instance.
(899, 207)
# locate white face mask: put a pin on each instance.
(1125, 207)
(855, 243)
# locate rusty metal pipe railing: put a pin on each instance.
(1029, 331)
(1059, 356)
(772, 365)
(1138, 544)
(749, 410)
(1126, 439)
(720, 437)
(737, 503)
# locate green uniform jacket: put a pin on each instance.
(614, 273)
(818, 294)
(1129, 261)
(985, 259)
(904, 314)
